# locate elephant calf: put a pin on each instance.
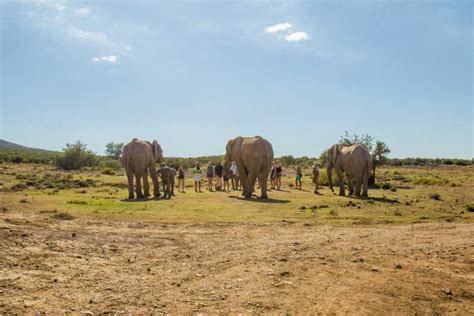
(166, 178)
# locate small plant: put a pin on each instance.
(333, 213)
(470, 207)
(386, 186)
(435, 196)
(63, 216)
(78, 202)
(393, 189)
(108, 171)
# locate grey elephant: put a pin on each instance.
(354, 161)
(253, 157)
(139, 158)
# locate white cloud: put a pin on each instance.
(108, 59)
(278, 27)
(296, 36)
(81, 11)
(91, 36)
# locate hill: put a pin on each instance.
(4, 144)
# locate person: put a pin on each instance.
(273, 176)
(165, 174)
(181, 176)
(299, 175)
(316, 177)
(219, 169)
(172, 176)
(278, 171)
(197, 177)
(235, 176)
(227, 176)
(210, 175)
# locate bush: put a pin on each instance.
(435, 196)
(386, 186)
(323, 178)
(110, 163)
(76, 156)
(108, 171)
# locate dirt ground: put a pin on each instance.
(85, 266)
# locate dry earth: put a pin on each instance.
(71, 266)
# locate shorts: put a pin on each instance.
(210, 175)
(299, 177)
(278, 175)
(197, 177)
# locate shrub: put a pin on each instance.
(435, 196)
(63, 216)
(108, 171)
(110, 163)
(323, 178)
(76, 156)
(386, 186)
(470, 207)
(332, 213)
(79, 202)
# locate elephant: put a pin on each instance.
(355, 161)
(139, 158)
(253, 157)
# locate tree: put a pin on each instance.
(379, 155)
(113, 150)
(76, 156)
(365, 139)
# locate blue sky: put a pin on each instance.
(193, 74)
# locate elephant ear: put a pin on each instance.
(157, 151)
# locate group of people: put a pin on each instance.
(224, 180)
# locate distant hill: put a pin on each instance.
(9, 145)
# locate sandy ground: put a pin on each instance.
(86, 266)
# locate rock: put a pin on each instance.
(285, 273)
(374, 269)
(447, 292)
(398, 266)
(302, 208)
(73, 234)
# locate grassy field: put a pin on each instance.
(406, 195)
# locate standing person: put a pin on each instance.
(316, 177)
(181, 176)
(299, 175)
(197, 177)
(172, 176)
(227, 176)
(273, 176)
(210, 175)
(278, 171)
(219, 169)
(165, 173)
(235, 176)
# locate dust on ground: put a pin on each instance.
(51, 264)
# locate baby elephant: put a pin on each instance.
(166, 175)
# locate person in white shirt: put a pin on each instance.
(235, 176)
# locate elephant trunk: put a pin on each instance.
(329, 174)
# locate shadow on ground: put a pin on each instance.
(260, 200)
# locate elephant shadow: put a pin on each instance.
(376, 199)
(260, 200)
(145, 199)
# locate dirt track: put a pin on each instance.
(49, 265)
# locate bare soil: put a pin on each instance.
(80, 265)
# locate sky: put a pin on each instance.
(194, 74)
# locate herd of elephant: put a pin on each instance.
(253, 157)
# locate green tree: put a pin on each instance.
(379, 155)
(75, 157)
(113, 150)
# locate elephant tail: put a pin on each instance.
(369, 168)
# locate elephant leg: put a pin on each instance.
(172, 187)
(243, 181)
(357, 188)
(146, 184)
(365, 184)
(138, 180)
(131, 195)
(350, 183)
(340, 178)
(250, 185)
(263, 185)
(154, 179)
